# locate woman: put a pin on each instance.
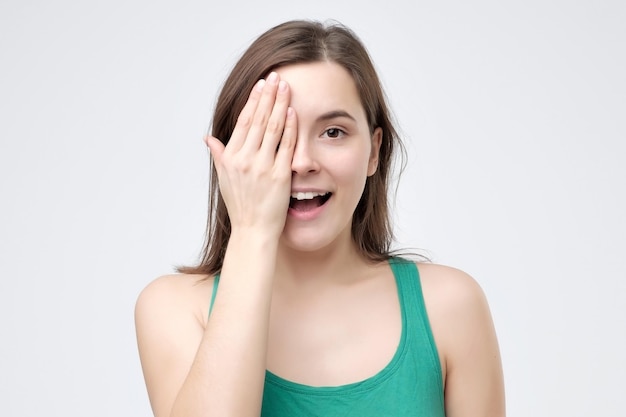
(298, 307)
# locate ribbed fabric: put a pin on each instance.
(410, 385)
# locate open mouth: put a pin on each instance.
(308, 201)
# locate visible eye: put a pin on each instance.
(334, 133)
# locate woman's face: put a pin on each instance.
(335, 152)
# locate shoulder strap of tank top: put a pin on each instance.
(408, 281)
(216, 282)
(410, 290)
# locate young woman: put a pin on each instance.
(298, 308)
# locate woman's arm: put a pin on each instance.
(467, 343)
(220, 370)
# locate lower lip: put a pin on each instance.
(309, 214)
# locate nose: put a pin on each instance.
(304, 161)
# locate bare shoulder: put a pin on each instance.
(170, 317)
(466, 340)
(171, 309)
(449, 289)
(176, 293)
(455, 303)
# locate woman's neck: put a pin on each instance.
(332, 264)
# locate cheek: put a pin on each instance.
(351, 168)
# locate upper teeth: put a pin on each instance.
(305, 196)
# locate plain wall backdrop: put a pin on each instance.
(514, 117)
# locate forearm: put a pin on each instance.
(227, 375)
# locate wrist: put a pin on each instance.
(251, 238)
(250, 253)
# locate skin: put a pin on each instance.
(306, 305)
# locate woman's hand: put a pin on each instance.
(254, 169)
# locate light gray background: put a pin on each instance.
(514, 117)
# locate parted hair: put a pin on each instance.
(297, 42)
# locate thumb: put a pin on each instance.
(216, 147)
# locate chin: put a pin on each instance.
(307, 244)
(312, 239)
(315, 238)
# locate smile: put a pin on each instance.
(307, 201)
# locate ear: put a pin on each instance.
(377, 138)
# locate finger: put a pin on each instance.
(216, 147)
(262, 115)
(246, 117)
(276, 122)
(287, 144)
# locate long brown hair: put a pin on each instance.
(295, 42)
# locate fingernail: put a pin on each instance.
(282, 86)
(272, 78)
(259, 85)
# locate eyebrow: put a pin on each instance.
(333, 114)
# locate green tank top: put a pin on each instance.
(410, 385)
